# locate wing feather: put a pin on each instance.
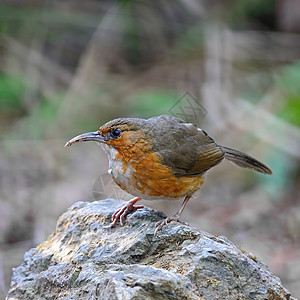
(188, 150)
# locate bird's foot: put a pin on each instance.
(160, 224)
(123, 211)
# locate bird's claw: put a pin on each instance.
(122, 212)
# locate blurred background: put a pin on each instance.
(232, 67)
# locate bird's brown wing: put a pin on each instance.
(208, 154)
(185, 148)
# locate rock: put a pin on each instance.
(84, 260)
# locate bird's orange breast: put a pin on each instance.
(141, 173)
(154, 179)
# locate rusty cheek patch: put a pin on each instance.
(131, 146)
(128, 143)
(152, 178)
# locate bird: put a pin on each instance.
(162, 157)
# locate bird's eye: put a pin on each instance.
(115, 133)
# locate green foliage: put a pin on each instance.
(39, 123)
(132, 35)
(288, 83)
(11, 93)
(47, 109)
(291, 111)
(289, 79)
(191, 40)
(253, 8)
(13, 18)
(284, 170)
(243, 11)
(153, 103)
(255, 86)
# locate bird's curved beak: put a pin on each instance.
(89, 136)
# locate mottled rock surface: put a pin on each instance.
(84, 260)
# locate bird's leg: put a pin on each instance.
(160, 224)
(124, 210)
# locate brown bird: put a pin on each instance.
(161, 158)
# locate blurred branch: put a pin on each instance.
(100, 51)
(223, 49)
(265, 126)
(2, 275)
(266, 46)
(35, 58)
(246, 45)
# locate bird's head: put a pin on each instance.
(122, 134)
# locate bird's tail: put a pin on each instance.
(244, 160)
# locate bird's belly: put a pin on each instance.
(149, 179)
